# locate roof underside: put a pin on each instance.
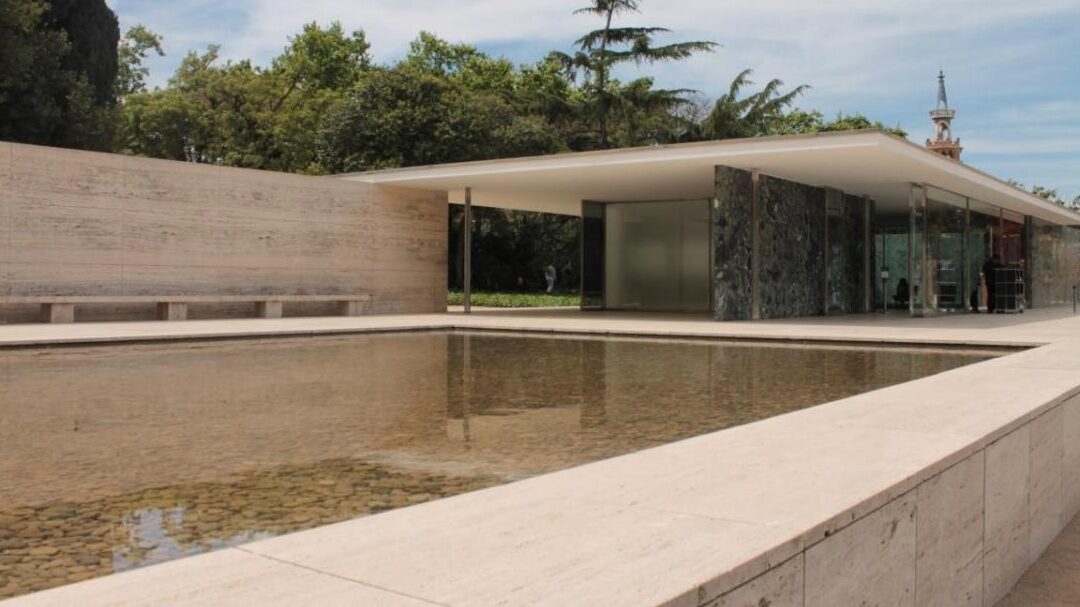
(869, 163)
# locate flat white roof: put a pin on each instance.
(871, 163)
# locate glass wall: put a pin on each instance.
(916, 250)
(657, 256)
(983, 231)
(949, 253)
(1011, 245)
(1055, 263)
(891, 288)
(592, 255)
(945, 278)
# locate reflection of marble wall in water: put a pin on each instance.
(676, 387)
(91, 421)
(516, 372)
(82, 223)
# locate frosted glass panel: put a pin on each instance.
(657, 255)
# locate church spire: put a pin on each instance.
(943, 142)
(942, 98)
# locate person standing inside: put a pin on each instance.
(550, 276)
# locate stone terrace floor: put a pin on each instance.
(1034, 327)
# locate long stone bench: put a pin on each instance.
(61, 309)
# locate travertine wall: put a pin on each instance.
(81, 223)
(961, 537)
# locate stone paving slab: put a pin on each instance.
(226, 577)
(1037, 327)
(1054, 580)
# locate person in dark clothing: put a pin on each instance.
(902, 293)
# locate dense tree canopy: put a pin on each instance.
(58, 63)
(240, 114)
(323, 105)
(93, 32)
(406, 116)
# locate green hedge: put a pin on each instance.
(516, 300)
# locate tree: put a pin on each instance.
(53, 60)
(799, 121)
(601, 50)
(734, 115)
(33, 83)
(543, 90)
(405, 116)
(1050, 194)
(94, 32)
(239, 114)
(324, 59)
(512, 248)
(135, 46)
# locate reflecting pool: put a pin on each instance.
(119, 456)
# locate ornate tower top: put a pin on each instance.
(943, 142)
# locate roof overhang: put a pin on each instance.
(869, 163)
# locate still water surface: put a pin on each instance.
(116, 457)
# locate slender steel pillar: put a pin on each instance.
(924, 251)
(467, 244)
(965, 258)
(999, 250)
(825, 259)
(917, 202)
(911, 250)
(868, 255)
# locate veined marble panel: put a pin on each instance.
(732, 243)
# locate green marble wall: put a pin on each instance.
(732, 219)
(792, 251)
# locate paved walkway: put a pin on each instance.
(1054, 580)
(1036, 327)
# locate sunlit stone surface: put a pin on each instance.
(121, 456)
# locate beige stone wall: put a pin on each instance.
(81, 223)
(961, 537)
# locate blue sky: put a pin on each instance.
(1013, 67)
